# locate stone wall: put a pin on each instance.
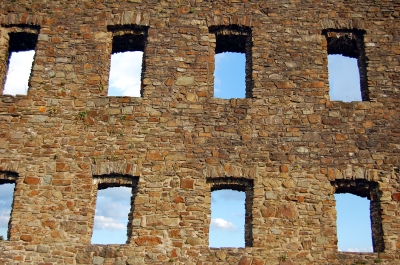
(287, 145)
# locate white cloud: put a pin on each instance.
(106, 223)
(219, 57)
(367, 249)
(220, 223)
(4, 217)
(19, 70)
(125, 74)
(112, 209)
(6, 196)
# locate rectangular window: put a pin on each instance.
(358, 216)
(21, 52)
(231, 212)
(7, 188)
(127, 62)
(227, 218)
(353, 223)
(347, 65)
(114, 207)
(233, 62)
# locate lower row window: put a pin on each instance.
(359, 225)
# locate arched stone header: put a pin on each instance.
(340, 23)
(353, 173)
(225, 20)
(108, 168)
(129, 18)
(20, 19)
(229, 170)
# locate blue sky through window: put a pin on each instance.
(6, 198)
(344, 79)
(125, 74)
(111, 217)
(230, 75)
(19, 71)
(227, 218)
(353, 223)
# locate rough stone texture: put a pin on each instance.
(287, 145)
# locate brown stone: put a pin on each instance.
(50, 224)
(258, 261)
(32, 180)
(288, 211)
(187, 183)
(179, 199)
(341, 137)
(62, 167)
(169, 82)
(154, 155)
(245, 261)
(396, 196)
(26, 238)
(148, 241)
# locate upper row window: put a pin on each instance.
(233, 63)
(347, 65)
(21, 53)
(127, 61)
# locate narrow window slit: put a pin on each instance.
(359, 220)
(21, 51)
(227, 218)
(231, 212)
(127, 61)
(111, 217)
(353, 223)
(114, 208)
(6, 202)
(233, 62)
(347, 65)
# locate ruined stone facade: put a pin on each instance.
(287, 145)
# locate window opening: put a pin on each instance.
(21, 56)
(127, 62)
(348, 193)
(347, 65)
(7, 188)
(111, 217)
(353, 223)
(114, 207)
(233, 62)
(231, 212)
(227, 218)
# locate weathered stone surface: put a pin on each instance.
(148, 240)
(184, 81)
(288, 146)
(187, 183)
(98, 260)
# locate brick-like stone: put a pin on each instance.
(187, 183)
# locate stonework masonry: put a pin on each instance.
(287, 145)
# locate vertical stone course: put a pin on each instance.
(287, 139)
